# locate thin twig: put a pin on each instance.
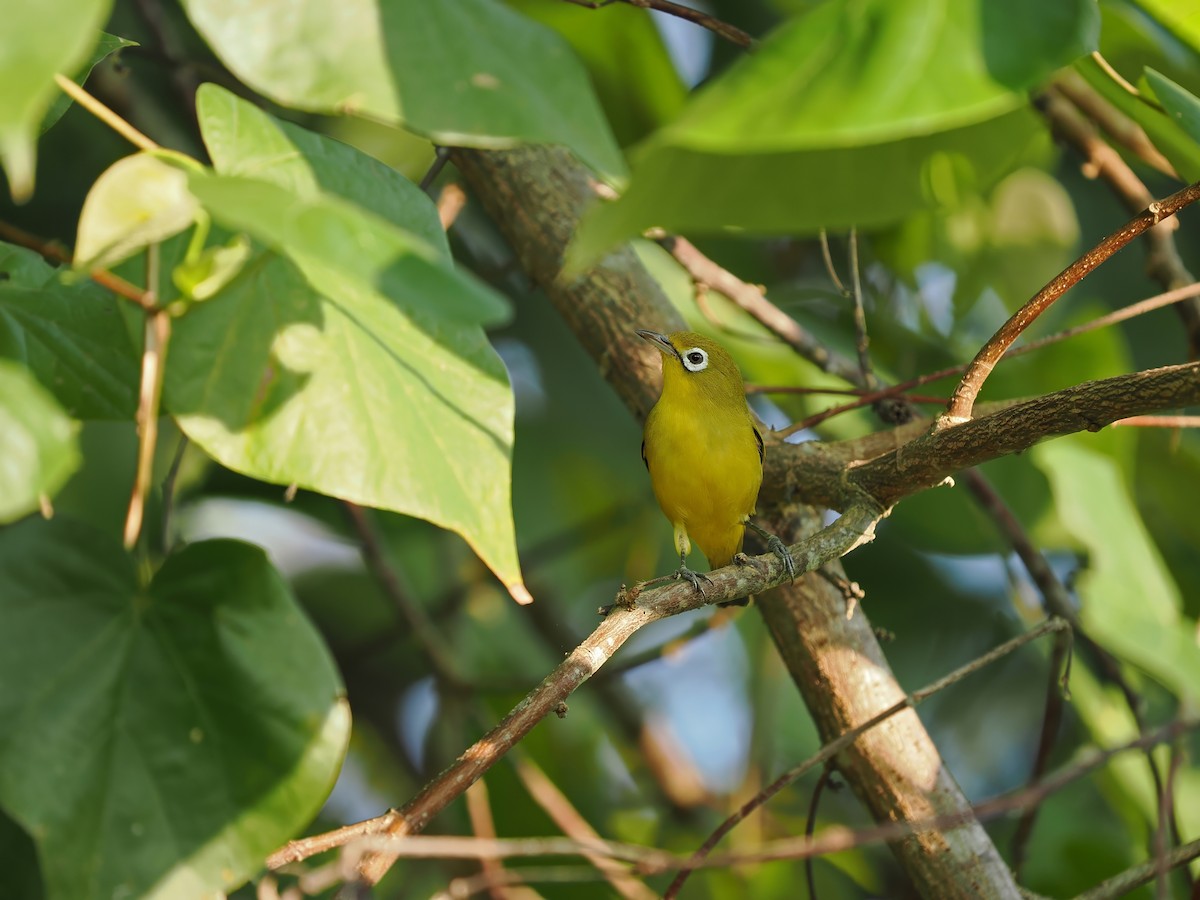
(115, 283)
(1120, 885)
(168, 490)
(556, 805)
(810, 827)
(729, 32)
(830, 268)
(1057, 601)
(1139, 308)
(1116, 76)
(462, 888)
(104, 114)
(836, 746)
(835, 839)
(752, 299)
(154, 360)
(963, 399)
(441, 155)
(479, 811)
(1118, 126)
(1165, 826)
(436, 650)
(1163, 262)
(862, 343)
(1159, 422)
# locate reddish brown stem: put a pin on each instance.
(963, 400)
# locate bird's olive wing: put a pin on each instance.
(757, 437)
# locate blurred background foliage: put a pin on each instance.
(661, 752)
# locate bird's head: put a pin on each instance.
(695, 363)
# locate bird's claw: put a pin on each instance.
(693, 578)
(779, 548)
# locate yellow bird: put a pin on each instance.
(704, 453)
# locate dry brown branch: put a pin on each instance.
(156, 341)
(889, 466)
(961, 403)
(1163, 263)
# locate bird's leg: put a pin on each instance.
(695, 579)
(776, 546)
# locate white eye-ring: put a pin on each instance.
(694, 360)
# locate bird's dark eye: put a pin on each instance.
(694, 360)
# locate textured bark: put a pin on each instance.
(536, 196)
(894, 768)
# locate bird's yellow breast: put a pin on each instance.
(705, 468)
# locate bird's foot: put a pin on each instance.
(695, 579)
(776, 546)
(779, 548)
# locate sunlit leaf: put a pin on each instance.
(350, 360)
(138, 201)
(157, 739)
(37, 41)
(38, 447)
(469, 73)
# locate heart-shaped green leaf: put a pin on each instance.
(157, 739)
(350, 358)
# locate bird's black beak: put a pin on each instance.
(660, 341)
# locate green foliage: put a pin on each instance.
(470, 73)
(38, 449)
(1123, 563)
(70, 335)
(41, 40)
(168, 714)
(160, 737)
(894, 107)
